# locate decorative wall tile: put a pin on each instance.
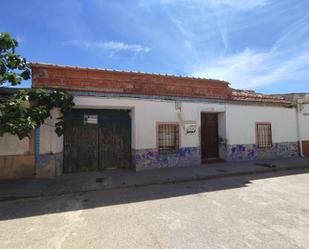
(239, 152)
(150, 158)
(189, 156)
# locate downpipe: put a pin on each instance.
(300, 142)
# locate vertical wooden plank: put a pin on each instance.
(114, 139)
(104, 145)
(80, 143)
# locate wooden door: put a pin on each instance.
(97, 139)
(115, 139)
(209, 136)
(80, 142)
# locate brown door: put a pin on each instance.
(209, 136)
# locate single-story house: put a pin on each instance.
(145, 121)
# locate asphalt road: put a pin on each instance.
(258, 211)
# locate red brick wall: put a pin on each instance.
(83, 79)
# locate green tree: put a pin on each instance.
(24, 110)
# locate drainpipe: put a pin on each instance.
(298, 110)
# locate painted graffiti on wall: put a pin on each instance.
(241, 152)
(190, 156)
(148, 159)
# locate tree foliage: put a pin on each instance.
(25, 110)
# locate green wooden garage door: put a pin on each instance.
(96, 140)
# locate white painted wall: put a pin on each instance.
(236, 122)
(49, 141)
(222, 125)
(241, 119)
(147, 113)
(11, 145)
(304, 122)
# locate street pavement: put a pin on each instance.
(269, 210)
(123, 178)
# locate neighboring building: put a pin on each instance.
(301, 101)
(17, 157)
(145, 121)
(303, 122)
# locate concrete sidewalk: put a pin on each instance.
(93, 181)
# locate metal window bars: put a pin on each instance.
(168, 138)
(263, 135)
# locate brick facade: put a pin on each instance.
(108, 81)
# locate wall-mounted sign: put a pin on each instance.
(190, 129)
(90, 119)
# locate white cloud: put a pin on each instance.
(250, 69)
(109, 46)
(286, 61)
(204, 24)
(241, 4)
(235, 4)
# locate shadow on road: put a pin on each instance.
(49, 205)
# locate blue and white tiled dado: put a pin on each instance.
(190, 156)
(241, 152)
(151, 159)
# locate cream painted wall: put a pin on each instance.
(147, 113)
(11, 145)
(241, 119)
(49, 141)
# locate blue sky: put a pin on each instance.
(261, 44)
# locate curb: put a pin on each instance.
(217, 176)
(163, 181)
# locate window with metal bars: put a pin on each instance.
(263, 135)
(168, 138)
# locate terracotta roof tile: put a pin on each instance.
(252, 96)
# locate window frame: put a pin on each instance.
(258, 144)
(178, 135)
